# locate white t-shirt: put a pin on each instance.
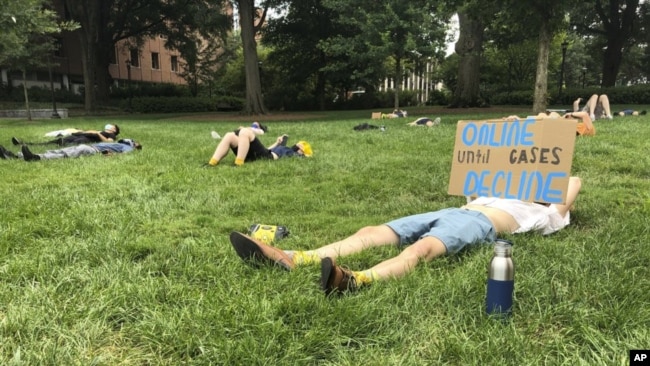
(530, 216)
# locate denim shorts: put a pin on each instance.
(455, 227)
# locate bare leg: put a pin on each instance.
(425, 249)
(228, 141)
(604, 101)
(591, 103)
(246, 135)
(367, 237)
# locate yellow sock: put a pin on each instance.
(301, 258)
(239, 162)
(213, 162)
(365, 277)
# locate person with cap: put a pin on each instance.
(109, 134)
(104, 148)
(247, 147)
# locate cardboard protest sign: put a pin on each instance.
(528, 159)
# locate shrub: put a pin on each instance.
(182, 104)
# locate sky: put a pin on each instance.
(453, 33)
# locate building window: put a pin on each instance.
(174, 63)
(135, 60)
(155, 64)
(58, 47)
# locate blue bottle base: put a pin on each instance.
(499, 297)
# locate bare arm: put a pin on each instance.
(572, 193)
(104, 138)
(277, 142)
(584, 116)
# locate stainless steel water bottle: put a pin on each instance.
(501, 280)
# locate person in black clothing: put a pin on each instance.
(247, 147)
(109, 134)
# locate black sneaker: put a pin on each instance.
(28, 155)
(284, 140)
(3, 155)
(6, 154)
(15, 141)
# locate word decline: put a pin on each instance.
(528, 186)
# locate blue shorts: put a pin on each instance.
(455, 227)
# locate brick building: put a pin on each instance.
(152, 63)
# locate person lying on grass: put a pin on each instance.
(423, 236)
(104, 148)
(597, 106)
(247, 147)
(631, 112)
(585, 127)
(425, 121)
(109, 134)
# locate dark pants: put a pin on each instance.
(256, 151)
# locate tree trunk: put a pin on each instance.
(612, 62)
(105, 47)
(619, 19)
(87, 15)
(398, 82)
(27, 109)
(320, 90)
(469, 48)
(254, 101)
(541, 82)
(88, 61)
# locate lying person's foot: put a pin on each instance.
(28, 155)
(5, 154)
(16, 141)
(333, 278)
(254, 251)
(215, 135)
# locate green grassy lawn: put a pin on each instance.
(125, 260)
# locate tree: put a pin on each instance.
(617, 22)
(28, 36)
(251, 20)
(104, 23)
(297, 52)
(395, 31)
(469, 48)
